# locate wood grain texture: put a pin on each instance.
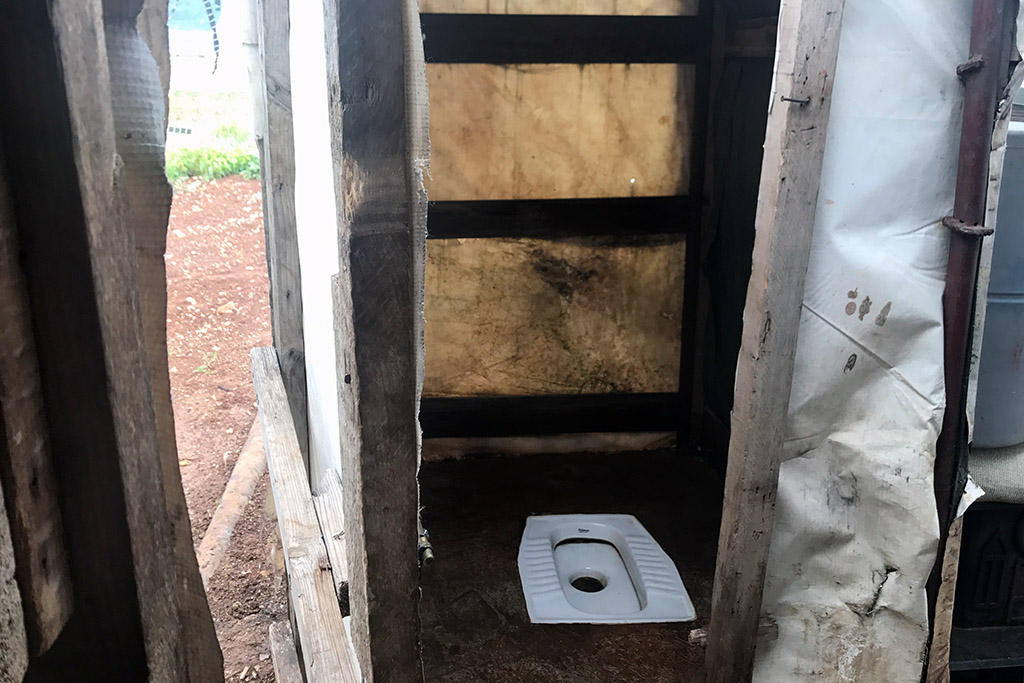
(127, 390)
(276, 143)
(152, 25)
(138, 103)
(79, 260)
(790, 175)
(329, 502)
(937, 670)
(322, 640)
(376, 327)
(26, 469)
(584, 315)
(557, 131)
(283, 655)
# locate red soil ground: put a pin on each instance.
(217, 310)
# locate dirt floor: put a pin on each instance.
(217, 310)
(474, 619)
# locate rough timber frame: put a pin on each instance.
(272, 105)
(376, 321)
(808, 43)
(139, 611)
(375, 90)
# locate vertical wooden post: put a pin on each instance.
(26, 468)
(271, 75)
(138, 104)
(690, 391)
(319, 632)
(79, 262)
(376, 330)
(808, 41)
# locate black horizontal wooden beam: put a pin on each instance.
(553, 218)
(992, 647)
(561, 39)
(481, 416)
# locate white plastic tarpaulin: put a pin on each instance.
(856, 527)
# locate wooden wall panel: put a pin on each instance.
(139, 109)
(26, 466)
(275, 140)
(559, 130)
(376, 146)
(79, 261)
(541, 316)
(653, 7)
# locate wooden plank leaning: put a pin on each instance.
(328, 502)
(321, 636)
(808, 39)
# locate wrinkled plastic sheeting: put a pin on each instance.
(856, 529)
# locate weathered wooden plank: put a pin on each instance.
(329, 502)
(322, 640)
(283, 654)
(26, 469)
(499, 132)
(245, 476)
(578, 315)
(937, 670)
(153, 27)
(79, 261)
(376, 148)
(276, 143)
(790, 175)
(138, 103)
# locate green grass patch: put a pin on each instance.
(229, 151)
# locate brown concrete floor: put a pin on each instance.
(474, 621)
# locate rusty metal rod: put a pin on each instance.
(983, 73)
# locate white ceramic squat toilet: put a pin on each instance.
(598, 569)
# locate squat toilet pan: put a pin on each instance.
(598, 569)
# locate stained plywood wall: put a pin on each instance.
(558, 130)
(516, 316)
(556, 316)
(542, 316)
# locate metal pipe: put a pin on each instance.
(983, 74)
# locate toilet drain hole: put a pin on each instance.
(588, 584)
